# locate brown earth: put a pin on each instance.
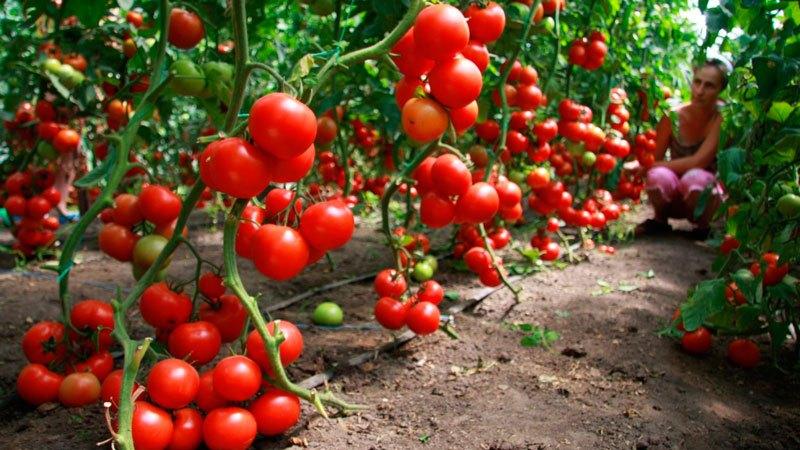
(608, 382)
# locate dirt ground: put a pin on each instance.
(608, 382)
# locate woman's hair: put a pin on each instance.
(723, 67)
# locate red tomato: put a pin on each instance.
(422, 174)
(477, 53)
(490, 277)
(326, 130)
(211, 285)
(89, 316)
(48, 130)
(275, 412)
(406, 89)
(529, 75)
(410, 62)
(423, 318)
(440, 31)
(479, 204)
(229, 428)
(489, 130)
(36, 384)
(478, 259)
(79, 389)
(290, 349)
(126, 210)
(281, 125)
(173, 383)
(486, 24)
(538, 178)
(697, 342)
(388, 283)
(431, 291)
(529, 96)
(605, 163)
(158, 204)
(187, 430)
(551, 252)
(66, 141)
(151, 426)
(451, 175)
(235, 167)
(185, 29)
(196, 342)
(163, 308)
(279, 252)
(463, 118)
(455, 82)
(327, 225)
(227, 314)
(744, 353)
(500, 238)
(729, 243)
(15, 205)
(207, 398)
(424, 120)
(112, 387)
(390, 313)
(435, 211)
(100, 364)
(43, 342)
(237, 378)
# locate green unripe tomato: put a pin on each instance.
(51, 65)
(69, 77)
(138, 272)
(219, 80)
(575, 148)
(548, 24)
(789, 205)
(46, 151)
(516, 176)
(322, 7)
(187, 78)
(431, 261)
(328, 314)
(516, 13)
(147, 250)
(588, 159)
(423, 271)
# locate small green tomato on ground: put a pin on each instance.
(328, 314)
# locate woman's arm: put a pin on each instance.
(663, 135)
(703, 157)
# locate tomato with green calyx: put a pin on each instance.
(227, 314)
(147, 250)
(187, 78)
(43, 342)
(328, 314)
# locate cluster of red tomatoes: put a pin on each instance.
(29, 198)
(644, 147)
(741, 352)
(470, 246)
(42, 121)
(81, 354)
(280, 251)
(137, 228)
(589, 53)
(438, 60)
(420, 311)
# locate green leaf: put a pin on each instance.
(780, 111)
(784, 151)
(627, 287)
(530, 341)
(302, 68)
(89, 12)
(99, 172)
(731, 164)
(707, 299)
(452, 296)
(767, 70)
(702, 202)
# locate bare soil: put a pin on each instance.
(608, 382)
